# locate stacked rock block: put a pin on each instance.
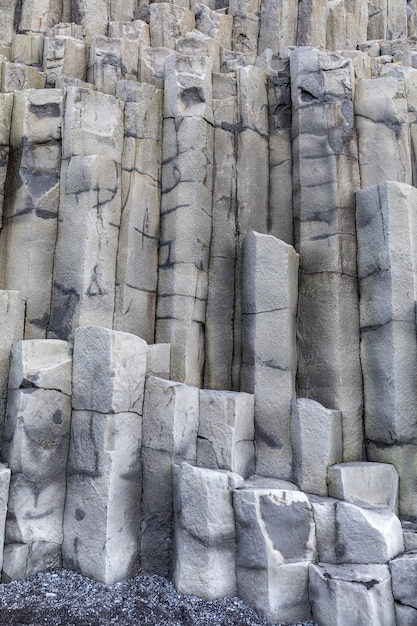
(207, 306)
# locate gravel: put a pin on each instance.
(59, 596)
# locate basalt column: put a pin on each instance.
(325, 178)
(186, 212)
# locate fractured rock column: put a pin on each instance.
(278, 24)
(269, 359)
(103, 507)
(220, 314)
(89, 215)
(252, 175)
(137, 255)
(6, 107)
(36, 441)
(325, 178)
(245, 27)
(387, 265)
(186, 213)
(311, 29)
(170, 425)
(12, 318)
(381, 118)
(29, 233)
(204, 537)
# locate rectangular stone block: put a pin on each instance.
(342, 594)
(109, 371)
(311, 29)
(41, 364)
(404, 571)
(226, 432)
(158, 360)
(278, 25)
(316, 439)
(28, 49)
(245, 27)
(365, 484)
(39, 15)
(324, 513)
(167, 22)
(12, 313)
(4, 497)
(269, 361)
(275, 541)
(204, 533)
(103, 507)
(64, 56)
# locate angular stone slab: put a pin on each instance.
(404, 578)
(7, 101)
(367, 535)
(269, 302)
(278, 24)
(245, 27)
(324, 513)
(405, 615)
(275, 540)
(365, 484)
(204, 533)
(158, 359)
(167, 22)
(43, 364)
(12, 312)
(226, 432)
(103, 508)
(348, 594)
(5, 474)
(109, 371)
(170, 425)
(316, 439)
(64, 56)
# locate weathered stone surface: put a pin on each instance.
(170, 425)
(15, 562)
(405, 615)
(64, 56)
(204, 534)
(6, 108)
(4, 496)
(137, 255)
(278, 24)
(103, 507)
(269, 303)
(387, 262)
(311, 29)
(367, 535)
(216, 25)
(325, 177)
(158, 360)
(41, 364)
(12, 312)
(316, 439)
(324, 513)
(245, 27)
(226, 432)
(348, 594)
(382, 124)
(18, 77)
(168, 22)
(404, 578)
(365, 484)
(110, 378)
(31, 205)
(275, 540)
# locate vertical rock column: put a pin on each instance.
(89, 216)
(186, 213)
(137, 256)
(170, 425)
(36, 440)
(387, 263)
(252, 175)
(102, 507)
(269, 360)
(278, 24)
(12, 317)
(28, 238)
(325, 178)
(220, 323)
(6, 108)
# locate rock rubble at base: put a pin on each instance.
(207, 299)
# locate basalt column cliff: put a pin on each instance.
(208, 274)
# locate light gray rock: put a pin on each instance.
(278, 24)
(349, 594)
(365, 484)
(167, 22)
(367, 535)
(220, 314)
(42, 364)
(137, 255)
(12, 313)
(275, 540)
(409, 534)
(152, 65)
(4, 496)
(226, 432)
(170, 425)
(103, 507)
(216, 25)
(64, 56)
(316, 439)
(109, 371)
(204, 533)
(269, 302)
(383, 130)
(404, 578)
(245, 27)
(325, 175)
(187, 183)
(18, 77)
(377, 19)
(158, 359)
(324, 513)
(311, 29)
(15, 562)
(38, 15)
(7, 12)
(386, 267)
(405, 615)
(31, 210)
(7, 101)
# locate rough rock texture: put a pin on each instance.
(207, 298)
